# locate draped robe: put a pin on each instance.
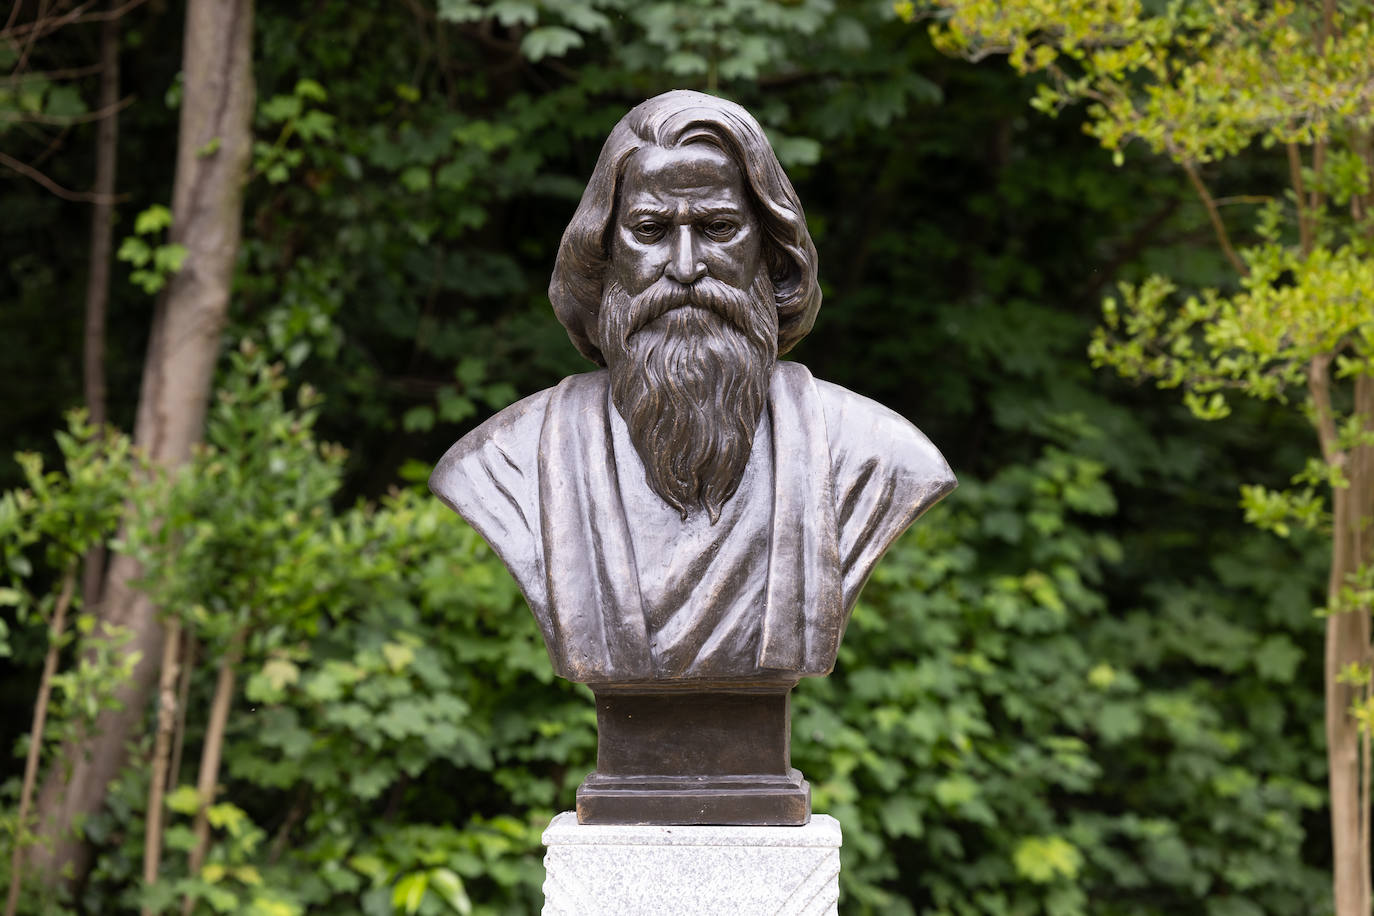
(625, 591)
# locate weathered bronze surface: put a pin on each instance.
(691, 524)
(677, 754)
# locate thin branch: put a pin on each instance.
(1299, 192)
(14, 14)
(1223, 237)
(47, 25)
(188, 665)
(99, 114)
(1243, 199)
(1142, 236)
(40, 718)
(157, 784)
(210, 755)
(33, 36)
(39, 26)
(60, 74)
(79, 196)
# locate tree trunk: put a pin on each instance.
(102, 224)
(1348, 643)
(213, 151)
(98, 278)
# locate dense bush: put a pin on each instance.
(1080, 685)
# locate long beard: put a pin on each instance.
(690, 368)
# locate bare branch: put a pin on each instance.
(1223, 237)
(99, 114)
(40, 717)
(61, 74)
(1304, 218)
(79, 196)
(46, 25)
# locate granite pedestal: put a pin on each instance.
(593, 870)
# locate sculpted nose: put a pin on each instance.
(684, 265)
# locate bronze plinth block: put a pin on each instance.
(670, 755)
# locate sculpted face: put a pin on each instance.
(688, 322)
(683, 215)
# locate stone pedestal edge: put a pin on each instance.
(691, 870)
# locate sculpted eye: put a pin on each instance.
(647, 231)
(720, 230)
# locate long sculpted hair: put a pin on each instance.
(670, 120)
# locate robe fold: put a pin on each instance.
(626, 592)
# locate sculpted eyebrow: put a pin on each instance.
(643, 210)
(664, 213)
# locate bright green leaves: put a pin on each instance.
(1046, 859)
(48, 525)
(153, 220)
(409, 892)
(1294, 311)
(153, 262)
(1197, 82)
(295, 117)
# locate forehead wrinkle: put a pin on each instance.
(714, 201)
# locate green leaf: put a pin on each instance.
(1118, 721)
(309, 89)
(416, 178)
(281, 673)
(152, 220)
(184, 800)
(514, 12)
(64, 102)
(953, 791)
(398, 656)
(418, 419)
(1277, 659)
(460, 11)
(450, 887)
(549, 41)
(1045, 859)
(409, 891)
(470, 371)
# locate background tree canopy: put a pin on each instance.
(1082, 685)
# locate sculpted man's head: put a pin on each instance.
(686, 270)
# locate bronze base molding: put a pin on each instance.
(669, 755)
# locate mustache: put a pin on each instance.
(730, 303)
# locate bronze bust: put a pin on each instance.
(691, 524)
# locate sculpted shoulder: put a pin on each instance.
(504, 446)
(863, 433)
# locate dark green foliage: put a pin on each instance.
(1082, 685)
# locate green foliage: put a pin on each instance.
(153, 263)
(987, 706)
(1082, 686)
(1195, 81)
(388, 652)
